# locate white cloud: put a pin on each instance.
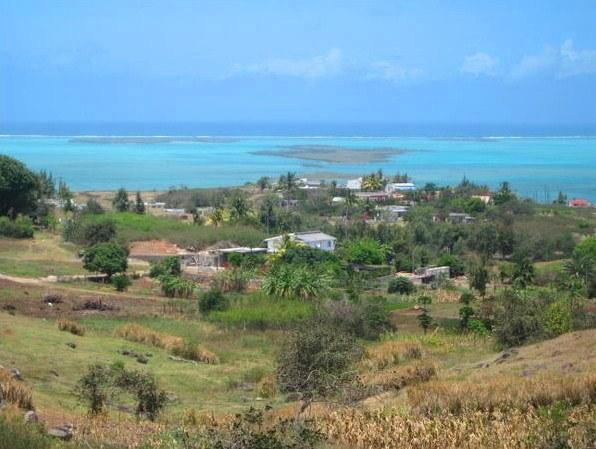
(563, 62)
(325, 65)
(391, 71)
(480, 64)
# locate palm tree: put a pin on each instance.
(216, 217)
(239, 207)
(350, 202)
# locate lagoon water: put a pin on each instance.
(537, 167)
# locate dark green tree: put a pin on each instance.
(425, 319)
(120, 201)
(139, 204)
(19, 188)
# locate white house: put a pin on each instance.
(354, 184)
(399, 186)
(314, 239)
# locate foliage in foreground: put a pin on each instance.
(14, 434)
(317, 360)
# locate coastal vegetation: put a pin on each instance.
(299, 348)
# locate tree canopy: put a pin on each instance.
(19, 187)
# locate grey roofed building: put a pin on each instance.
(459, 218)
(314, 239)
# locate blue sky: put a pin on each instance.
(514, 62)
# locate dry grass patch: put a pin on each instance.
(389, 353)
(400, 377)
(72, 327)
(502, 393)
(497, 430)
(171, 343)
(14, 391)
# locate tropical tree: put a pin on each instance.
(523, 270)
(267, 212)
(373, 182)
(216, 217)
(288, 182)
(425, 319)
(19, 188)
(239, 207)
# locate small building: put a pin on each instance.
(399, 186)
(354, 184)
(155, 204)
(427, 275)
(307, 184)
(579, 202)
(155, 250)
(314, 239)
(484, 198)
(174, 212)
(392, 213)
(373, 196)
(460, 218)
(338, 200)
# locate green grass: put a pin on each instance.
(52, 368)
(131, 227)
(39, 268)
(260, 312)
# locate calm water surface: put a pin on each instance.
(537, 167)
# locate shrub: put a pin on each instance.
(250, 431)
(317, 360)
(21, 228)
(558, 318)
(234, 279)
(401, 285)
(189, 351)
(301, 282)
(90, 230)
(107, 258)
(389, 353)
(455, 264)
(173, 286)
(212, 300)
(168, 266)
(517, 319)
(92, 387)
(72, 327)
(364, 319)
(365, 251)
(121, 282)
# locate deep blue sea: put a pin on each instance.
(538, 162)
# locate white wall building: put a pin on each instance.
(314, 239)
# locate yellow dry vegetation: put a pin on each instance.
(171, 343)
(520, 429)
(14, 391)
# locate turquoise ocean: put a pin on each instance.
(537, 167)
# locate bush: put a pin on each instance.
(317, 360)
(212, 300)
(173, 286)
(72, 327)
(291, 281)
(14, 391)
(90, 230)
(18, 435)
(455, 264)
(121, 282)
(401, 285)
(168, 266)
(234, 279)
(558, 318)
(21, 228)
(365, 251)
(517, 319)
(364, 319)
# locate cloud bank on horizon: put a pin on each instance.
(337, 61)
